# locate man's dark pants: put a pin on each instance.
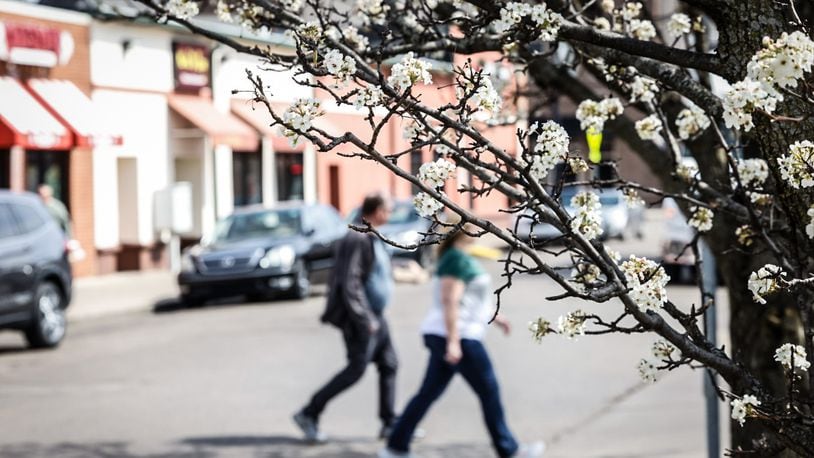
(363, 348)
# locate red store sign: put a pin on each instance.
(35, 45)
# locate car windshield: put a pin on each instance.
(403, 212)
(273, 223)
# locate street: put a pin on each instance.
(224, 380)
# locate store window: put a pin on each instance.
(48, 167)
(247, 172)
(289, 176)
(5, 169)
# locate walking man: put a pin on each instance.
(359, 292)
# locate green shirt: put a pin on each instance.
(456, 263)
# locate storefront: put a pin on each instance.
(50, 130)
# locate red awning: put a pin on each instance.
(25, 122)
(70, 105)
(223, 128)
(258, 116)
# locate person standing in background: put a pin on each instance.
(56, 208)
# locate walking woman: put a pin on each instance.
(453, 331)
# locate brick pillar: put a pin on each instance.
(17, 166)
(81, 195)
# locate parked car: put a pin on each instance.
(35, 275)
(614, 212)
(678, 260)
(405, 227)
(262, 252)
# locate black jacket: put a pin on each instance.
(347, 301)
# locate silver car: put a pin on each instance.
(615, 216)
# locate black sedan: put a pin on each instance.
(35, 276)
(262, 252)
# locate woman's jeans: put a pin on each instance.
(476, 368)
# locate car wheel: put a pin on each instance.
(49, 324)
(302, 284)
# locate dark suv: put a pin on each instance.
(260, 252)
(35, 275)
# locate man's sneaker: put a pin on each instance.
(309, 428)
(532, 450)
(387, 453)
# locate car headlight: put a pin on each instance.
(187, 263)
(278, 257)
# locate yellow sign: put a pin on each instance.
(594, 138)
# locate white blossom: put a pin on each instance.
(687, 171)
(647, 370)
(742, 99)
(511, 15)
(642, 29)
(782, 62)
(643, 88)
(744, 234)
(572, 325)
(592, 115)
(631, 198)
(797, 166)
(351, 36)
(810, 225)
(342, 67)
(550, 148)
(647, 282)
(374, 11)
(608, 6)
(665, 351)
(631, 10)
(588, 218)
(408, 72)
(547, 20)
(426, 205)
(744, 407)
(298, 118)
(691, 121)
(679, 24)
(602, 23)
(765, 281)
(368, 96)
(649, 127)
(539, 329)
(752, 172)
(292, 5)
(435, 174)
(792, 356)
(585, 273)
(413, 130)
(701, 218)
(183, 9)
(577, 164)
(486, 98)
(223, 11)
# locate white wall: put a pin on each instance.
(144, 126)
(229, 73)
(146, 64)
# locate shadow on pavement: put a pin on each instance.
(92, 450)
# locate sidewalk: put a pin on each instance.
(122, 292)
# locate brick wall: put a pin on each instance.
(76, 70)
